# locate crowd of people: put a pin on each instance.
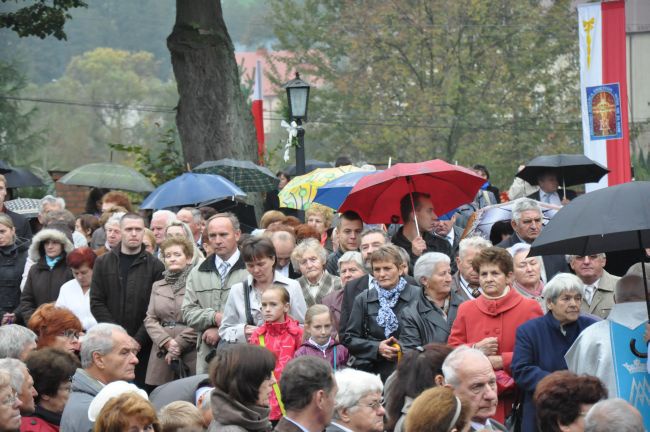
(114, 320)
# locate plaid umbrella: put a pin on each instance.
(245, 174)
(27, 207)
(300, 192)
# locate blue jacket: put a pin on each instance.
(539, 350)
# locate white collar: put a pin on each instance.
(465, 286)
(630, 315)
(231, 261)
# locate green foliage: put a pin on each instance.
(40, 19)
(464, 80)
(128, 109)
(17, 136)
(166, 165)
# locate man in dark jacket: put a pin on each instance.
(121, 287)
(407, 237)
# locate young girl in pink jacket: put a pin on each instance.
(318, 338)
(280, 334)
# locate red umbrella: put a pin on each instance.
(376, 197)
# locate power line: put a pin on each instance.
(340, 119)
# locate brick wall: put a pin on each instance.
(74, 196)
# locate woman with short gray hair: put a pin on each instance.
(359, 404)
(310, 257)
(430, 319)
(541, 343)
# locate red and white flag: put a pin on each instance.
(258, 111)
(603, 89)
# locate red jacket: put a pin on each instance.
(37, 424)
(498, 318)
(282, 339)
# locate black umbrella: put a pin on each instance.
(571, 169)
(611, 219)
(310, 165)
(4, 167)
(22, 177)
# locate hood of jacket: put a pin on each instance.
(229, 412)
(48, 234)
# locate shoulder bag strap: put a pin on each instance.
(247, 303)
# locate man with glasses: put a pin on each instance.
(527, 222)
(599, 284)
(469, 372)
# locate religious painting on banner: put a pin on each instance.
(603, 89)
(630, 367)
(604, 105)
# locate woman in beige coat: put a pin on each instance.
(173, 340)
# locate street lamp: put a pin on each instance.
(298, 97)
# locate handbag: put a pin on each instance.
(514, 419)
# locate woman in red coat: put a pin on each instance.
(490, 322)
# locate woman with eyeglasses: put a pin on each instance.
(359, 405)
(52, 371)
(9, 405)
(56, 328)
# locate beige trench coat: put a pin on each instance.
(165, 307)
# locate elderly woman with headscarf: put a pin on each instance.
(177, 228)
(430, 319)
(310, 257)
(359, 405)
(542, 343)
(374, 327)
(489, 322)
(527, 273)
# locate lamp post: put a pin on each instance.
(298, 97)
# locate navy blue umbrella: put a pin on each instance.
(190, 189)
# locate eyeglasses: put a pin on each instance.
(70, 334)
(11, 399)
(379, 403)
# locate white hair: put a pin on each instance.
(454, 360)
(517, 248)
(613, 415)
(570, 258)
(524, 204)
(352, 256)
(16, 370)
(353, 386)
(50, 199)
(98, 339)
(13, 339)
(168, 215)
(474, 242)
(115, 219)
(562, 282)
(426, 264)
(196, 214)
(308, 245)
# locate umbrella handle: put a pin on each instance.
(564, 187)
(415, 219)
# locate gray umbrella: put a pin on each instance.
(611, 219)
(108, 175)
(22, 177)
(245, 174)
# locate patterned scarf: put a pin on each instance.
(387, 300)
(177, 279)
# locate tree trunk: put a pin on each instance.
(212, 117)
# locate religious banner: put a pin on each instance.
(603, 89)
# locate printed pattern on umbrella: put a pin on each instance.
(300, 192)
